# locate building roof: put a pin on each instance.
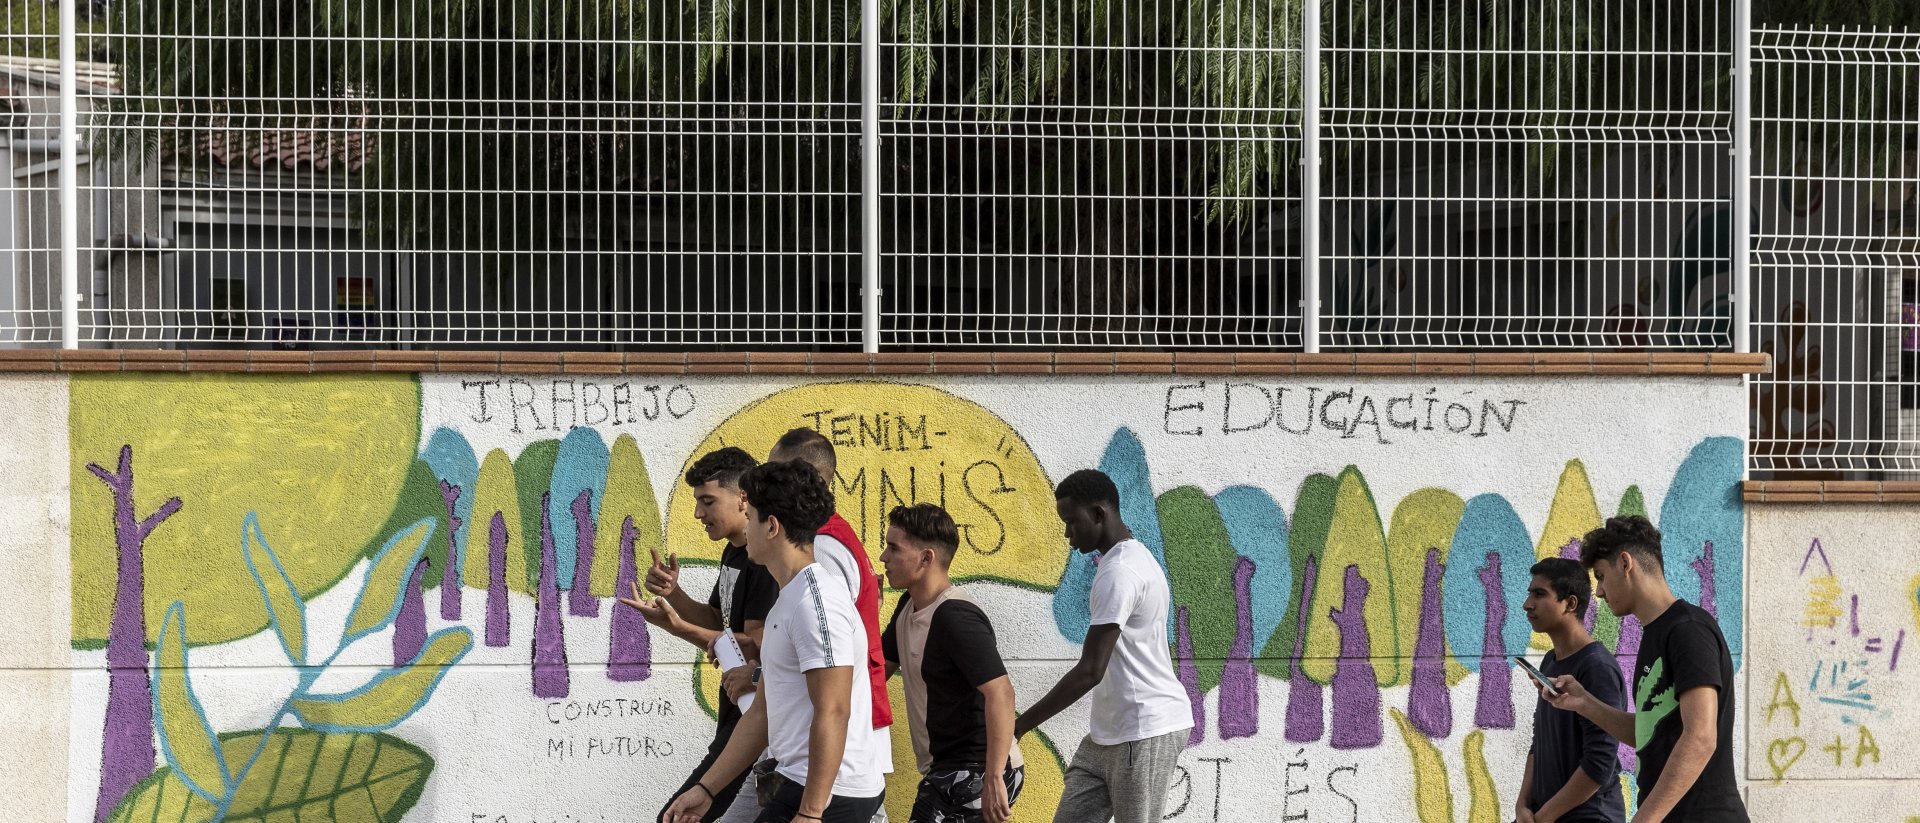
(319, 143)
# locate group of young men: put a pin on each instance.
(1681, 719)
(805, 723)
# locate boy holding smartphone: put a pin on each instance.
(1573, 768)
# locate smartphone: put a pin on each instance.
(1535, 673)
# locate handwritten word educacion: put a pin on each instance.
(565, 404)
(1202, 408)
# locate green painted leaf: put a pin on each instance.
(379, 599)
(348, 778)
(393, 694)
(286, 612)
(186, 738)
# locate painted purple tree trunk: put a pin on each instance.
(580, 599)
(1429, 707)
(1189, 676)
(1494, 709)
(550, 677)
(410, 627)
(450, 570)
(499, 622)
(1703, 567)
(1356, 691)
(630, 657)
(1239, 685)
(126, 753)
(1626, 652)
(1306, 719)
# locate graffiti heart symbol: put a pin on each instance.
(1782, 754)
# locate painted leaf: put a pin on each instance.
(348, 778)
(1483, 798)
(1432, 791)
(392, 695)
(186, 738)
(286, 611)
(379, 600)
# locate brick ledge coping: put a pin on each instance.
(840, 363)
(1830, 491)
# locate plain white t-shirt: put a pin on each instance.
(1140, 697)
(813, 625)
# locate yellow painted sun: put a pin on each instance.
(901, 444)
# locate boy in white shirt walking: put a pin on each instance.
(814, 712)
(1141, 715)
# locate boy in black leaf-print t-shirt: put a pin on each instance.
(1683, 688)
(1681, 650)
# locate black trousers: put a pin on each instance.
(721, 799)
(786, 804)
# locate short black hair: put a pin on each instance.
(1630, 533)
(810, 447)
(1567, 578)
(793, 492)
(928, 524)
(723, 466)
(1088, 487)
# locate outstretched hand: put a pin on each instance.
(663, 578)
(657, 611)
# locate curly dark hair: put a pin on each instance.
(1629, 533)
(929, 524)
(792, 492)
(1088, 487)
(723, 466)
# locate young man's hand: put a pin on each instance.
(994, 805)
(659, 612)
(688, 807)
(663, 578)
(1573, 696)
(1522, 814)
(738, 682)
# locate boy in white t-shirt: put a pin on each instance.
(814, 712)
(1141, 715)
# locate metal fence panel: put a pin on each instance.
(1837, 253)
(1521, 175)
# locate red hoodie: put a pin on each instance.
(869, 605)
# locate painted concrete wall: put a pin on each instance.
(1835, 669)
(1347, 556)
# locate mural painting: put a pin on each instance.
(386, 598)
(1839, 654)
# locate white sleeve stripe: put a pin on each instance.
(820, 614)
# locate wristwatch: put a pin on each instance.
(755, 680)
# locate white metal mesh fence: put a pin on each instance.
(1497, 174)
(1529, 175)
(1836, 253)
(1091, 173)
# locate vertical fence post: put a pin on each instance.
(1310, 177)
(69, 178)
(1743, 285)
(870, 176)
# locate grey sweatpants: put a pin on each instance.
(1125, 783)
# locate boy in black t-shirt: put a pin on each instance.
(959, 700)
(742, 595)
(1682, 722)
(1573, 768)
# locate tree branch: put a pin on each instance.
(166, 510)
